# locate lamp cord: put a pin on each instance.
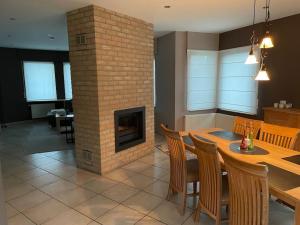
(267, 8)
(253, 39)
(254, 14)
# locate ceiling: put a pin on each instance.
(28, 23)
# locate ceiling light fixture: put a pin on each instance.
(251, 59)
(267, 40)
(262, 74)
(265, 45)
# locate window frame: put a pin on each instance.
(63, 64)
(256, 50)
(24, 81)
(188, 108)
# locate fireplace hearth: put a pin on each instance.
(129, 128)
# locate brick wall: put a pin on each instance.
(112, 71)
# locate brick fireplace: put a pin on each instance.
(111, 57)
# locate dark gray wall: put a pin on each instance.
(13, 105)
(282, 61)
(165, 81)
(180, 78)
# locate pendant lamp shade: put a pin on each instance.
(262, 74)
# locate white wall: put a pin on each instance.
(208, 120)
(183, 42)
(41, 110)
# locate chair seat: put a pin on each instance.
(192, 170)
(225, 190)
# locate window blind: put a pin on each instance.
(39, 80)
(68, 81)
(202, 79)
(237, 88)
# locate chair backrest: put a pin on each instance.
(177, 155)
(210, 176)
(241, 122)
(277, 135)
(248, 192)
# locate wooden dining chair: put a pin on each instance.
(182, 171)
(241, 122)
(285, 137)
(248, 191)
(213, 193)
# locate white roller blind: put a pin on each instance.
(67, 81)
(202, 79)
(40, 82)
(237, 89)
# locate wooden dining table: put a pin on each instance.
(284, 173)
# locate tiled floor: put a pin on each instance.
(46, 188)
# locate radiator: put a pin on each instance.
(41, 110)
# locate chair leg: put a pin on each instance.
(195, 187)
(183, 203)
(197, 213)
(170, 190)
(227, 209)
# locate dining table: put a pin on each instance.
(283, 164)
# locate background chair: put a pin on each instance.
(182, 171)
(213, 193)
(277, 135)
(240, 122)
(248, 192)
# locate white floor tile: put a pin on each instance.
(120, 174)
(120, 192)
(96, 206)
(149, 221)
(169, 213)
(120, 215)
(143, 202)
(18, 190)
(10, 211)
(19, 220)
(43, 180)
(46, 211)
(58, 187)
(158, 188)
(99, 185)
(70, 217)
(139, 181)
(29, 200)
(75, 196)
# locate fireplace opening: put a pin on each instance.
(129, 128)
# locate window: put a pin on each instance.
(237, 89)
(67, 81)
(202, 79)
(39, 81)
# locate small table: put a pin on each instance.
(69, 120)
(69, 128)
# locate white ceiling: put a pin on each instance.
(35, 19)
